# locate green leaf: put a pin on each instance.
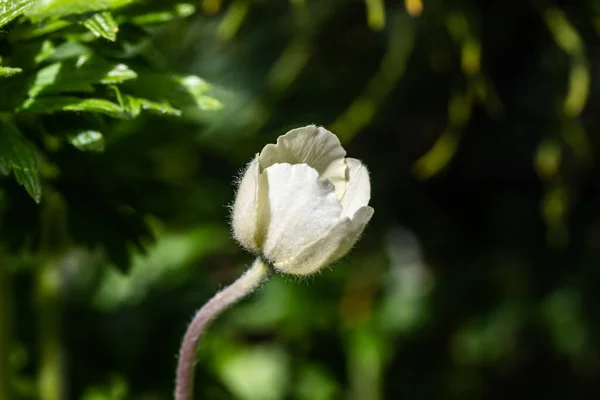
(180, 10)
(47, 49)
(180, 91)
(208, 103)
(70, 49)
(194, 85)
(197, 87)
(11, 9)
(128, 107)
(19, 157)
(78, 76)
(88, 141)
(102, 25)
(62, 8)
(8, 71)
(51, 104)
(135, 105)
(32, 31)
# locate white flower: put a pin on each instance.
(300, 203)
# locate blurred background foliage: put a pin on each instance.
(123, 124)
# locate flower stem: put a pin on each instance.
(252, 278)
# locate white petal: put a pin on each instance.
(244, 213)
(301, 210)
(330, 248)
(359, 221)
(311, 145)
(358, 188)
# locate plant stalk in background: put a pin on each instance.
(51, 373)
(48, 276)
(5, 331)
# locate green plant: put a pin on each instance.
(78, 78)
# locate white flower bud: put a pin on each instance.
(300, 203)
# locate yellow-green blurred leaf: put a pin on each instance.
(9, 71)
(555, 207)
(233, 19)
(579, 88)
(208, 103)
(564, 33)
(255, 372)
(375, 14)
(180, 10)
(194, 85)
(471, 56)
(575, 136)
(438, 157)
(548, 158)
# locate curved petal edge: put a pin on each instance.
(244, 210)
(315, 146)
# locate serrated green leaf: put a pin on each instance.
(88, 141)
(135, 105)
(78, 76)
(49, 105)
(128, 107)
(102, 25)
(9, 71)
(18, 156)
(62, 8)
(11, 9)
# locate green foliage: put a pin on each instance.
(8, 71)
(102, 24)
(19, 157)
(67, 8)
(67, 86)
(11, 9)
(88, 141)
